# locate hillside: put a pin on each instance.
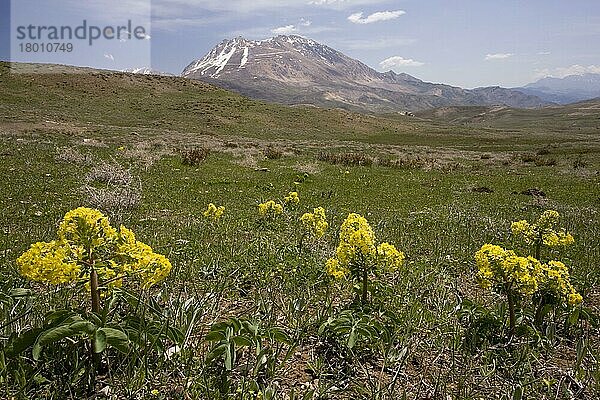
(580, 117)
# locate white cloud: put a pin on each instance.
(544, 53)
(284, 30)
(305, 22)
(397, 62)
(498, 56)
(561, 72)
(357, 18)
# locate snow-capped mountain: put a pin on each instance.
(146, 71)
(296, 70)
(570, 89)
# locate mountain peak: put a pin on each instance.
(293, 69)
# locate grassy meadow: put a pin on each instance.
(437, 189)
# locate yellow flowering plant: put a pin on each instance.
(357, 255)
(521, 278)
(292, 199)
(90, 252)
(270, 209)
(314, 224)
(214, 213)
(543, 232)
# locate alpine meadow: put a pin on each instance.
(165, 238)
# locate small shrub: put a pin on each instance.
(195, 156)
(72, 155)
(545, 162)
(113, 189)
(273, 153)
(347, 159)
(578, 163)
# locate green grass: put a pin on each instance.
(246, 268)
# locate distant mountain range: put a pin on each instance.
(570, 89)
(146, 71)
(297, 70)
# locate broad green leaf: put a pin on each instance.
(117, 339)
(215, 336)
(99, 341)
(242, 341)
(83, 327)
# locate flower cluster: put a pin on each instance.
(213, 212)
(499, 266)
(543, 232)
(390, 257)
(523, 275)
(292, 198)
(50, 262)
(556, 280)
(87, 241)
(357, 249)
(315, 223)
(269, 208)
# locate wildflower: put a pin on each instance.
(333, 268)
(315, 223)
(497, 266)
(270, 208)
(391, 258)
(357, 255)
(213, 212)
(49, 262)
(86, 239)
(292, 198)
(543, 231)
(556, 280)
(155, 392)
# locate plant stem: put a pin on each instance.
(511, 313)
(95, 309)
(364, 279)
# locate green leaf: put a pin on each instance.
(281, 336)
(99, 341)
(214, 336)
(518, 393)
(229, 358)
(36, 352)
(242, 341)
(117, 339)
(20, 292)
(352, 339)
(83, 327)
(54, 334)
(216, 352)
(18, 344)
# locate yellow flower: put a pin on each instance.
(357, 248)
(213, 212)
(392, 259)
(335, 269)
(85, 239)
(270, 208)
(49, 262)
(543, 231)
(315, 223)
(292, 198)
(155, 392)
(499, 266)
(87, 227)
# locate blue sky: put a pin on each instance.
(467, 43)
